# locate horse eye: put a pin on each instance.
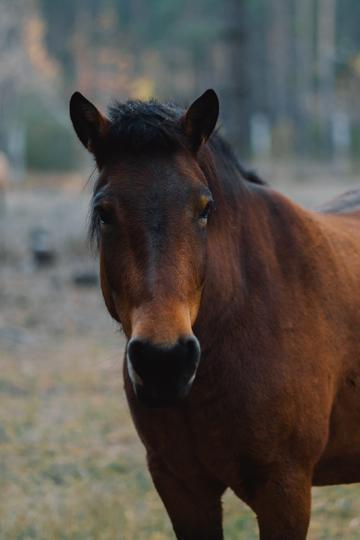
(203, 217)
(105, 216)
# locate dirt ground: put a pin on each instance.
(71, 465)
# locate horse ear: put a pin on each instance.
(89, 124)
(201, 117)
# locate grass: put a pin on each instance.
(71, 466)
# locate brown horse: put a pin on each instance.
(192, 245)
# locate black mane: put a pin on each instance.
(152, 126)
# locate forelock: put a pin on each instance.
(137, 126)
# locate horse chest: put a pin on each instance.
(217, 437)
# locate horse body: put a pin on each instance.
(275, 403)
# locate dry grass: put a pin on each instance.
(71, 465)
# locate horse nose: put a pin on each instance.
(163, 371)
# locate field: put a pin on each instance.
(71, 465)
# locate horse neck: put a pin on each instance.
(255, 250)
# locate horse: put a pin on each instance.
(241, 311)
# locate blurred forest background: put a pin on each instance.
(287, 71)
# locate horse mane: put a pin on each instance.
(152, 127)
(136, 126)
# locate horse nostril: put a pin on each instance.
(193, 347)
(134, 347)
(162, 365)
(133, 355)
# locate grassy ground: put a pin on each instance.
(71, 465)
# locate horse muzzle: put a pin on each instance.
(162, 375)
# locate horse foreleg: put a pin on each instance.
(283, 505)
(193, 505)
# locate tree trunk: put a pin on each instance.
(326, 69)
(235, 88)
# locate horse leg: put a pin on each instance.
(283, 505)
(194, 507)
